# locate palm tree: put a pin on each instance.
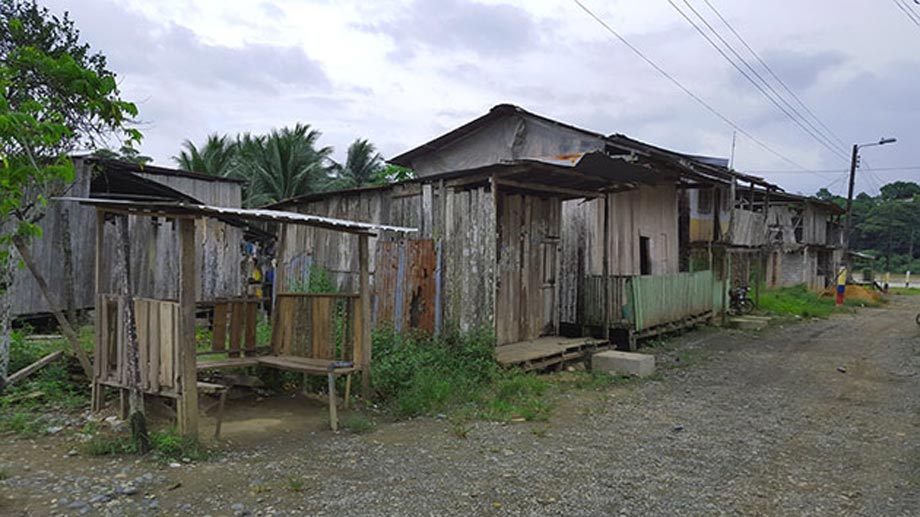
(363, 166)
(283, 164)
(217, 157)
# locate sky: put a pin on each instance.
(402, 72)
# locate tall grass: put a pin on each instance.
(419, 374)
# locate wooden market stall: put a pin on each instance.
(147, 346)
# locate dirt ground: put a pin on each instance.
(814, 418)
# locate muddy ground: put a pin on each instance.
(814, 418)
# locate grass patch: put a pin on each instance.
(35, 403)
(295, 484)
(418, 374)
(904, 291)
(358, 423)
(165, 445)
(796, 301)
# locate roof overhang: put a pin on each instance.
(164, 209)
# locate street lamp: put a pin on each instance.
(846, 231)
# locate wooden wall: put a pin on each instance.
(529, 230)
(649, 211)
(463, 219)
(154, 245)
(48, 252)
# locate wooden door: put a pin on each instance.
(526, 303)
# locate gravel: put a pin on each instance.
(737, 423)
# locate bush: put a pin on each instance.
(419, 374)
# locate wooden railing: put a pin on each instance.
(318, 326)
(234, 327)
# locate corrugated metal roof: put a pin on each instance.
(264, 215)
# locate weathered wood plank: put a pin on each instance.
(219, 331)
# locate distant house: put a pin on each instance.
(69, 225)
(511, 209)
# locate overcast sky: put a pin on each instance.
(402, 72)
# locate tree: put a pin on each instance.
(283, 164)
(217, 157)
(363, 166)
(126, 153)
(899, 190)
(55, 97)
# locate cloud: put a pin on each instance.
(801, 70)
(168, 52)
(458, 26)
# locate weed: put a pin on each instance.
(358, 423)
(539, 432)
(4, 475)
(295, 483)
(165, 445)
(461, 430)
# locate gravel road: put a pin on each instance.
(815, 418)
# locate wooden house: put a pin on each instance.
(513, 210)
(65, 252)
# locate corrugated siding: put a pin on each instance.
(656, 300)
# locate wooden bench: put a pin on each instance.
(330, 369)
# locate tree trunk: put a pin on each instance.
(136, 412)
(6, 313)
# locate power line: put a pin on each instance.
(814, 133)
(837, 171)
(911, 15)
(773, 74)
(683, 88)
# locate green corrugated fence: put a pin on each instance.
(656, 300)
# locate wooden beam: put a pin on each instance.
(53, 306)
(188, 279)
(98, 394)
(364, 288)
(606, 265)
(34, 367)
(552, 189)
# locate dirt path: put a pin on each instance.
(736, 424)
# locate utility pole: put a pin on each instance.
(849, 221)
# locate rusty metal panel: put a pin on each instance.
(405, 286)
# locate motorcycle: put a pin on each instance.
(739, 303)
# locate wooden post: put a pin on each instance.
(365, 300)
(188, 276)
(606, 266)
(136, 414)
(496, 206)
(98, 392)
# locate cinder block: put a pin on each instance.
(623, 363)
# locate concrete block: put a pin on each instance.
(623, 363)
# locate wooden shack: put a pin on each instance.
(65, 253)
(513, 211)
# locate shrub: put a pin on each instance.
(418, 374)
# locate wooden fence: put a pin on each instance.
(158, 345)
(235, 320)
(318, 326)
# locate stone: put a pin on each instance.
(615, 362)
